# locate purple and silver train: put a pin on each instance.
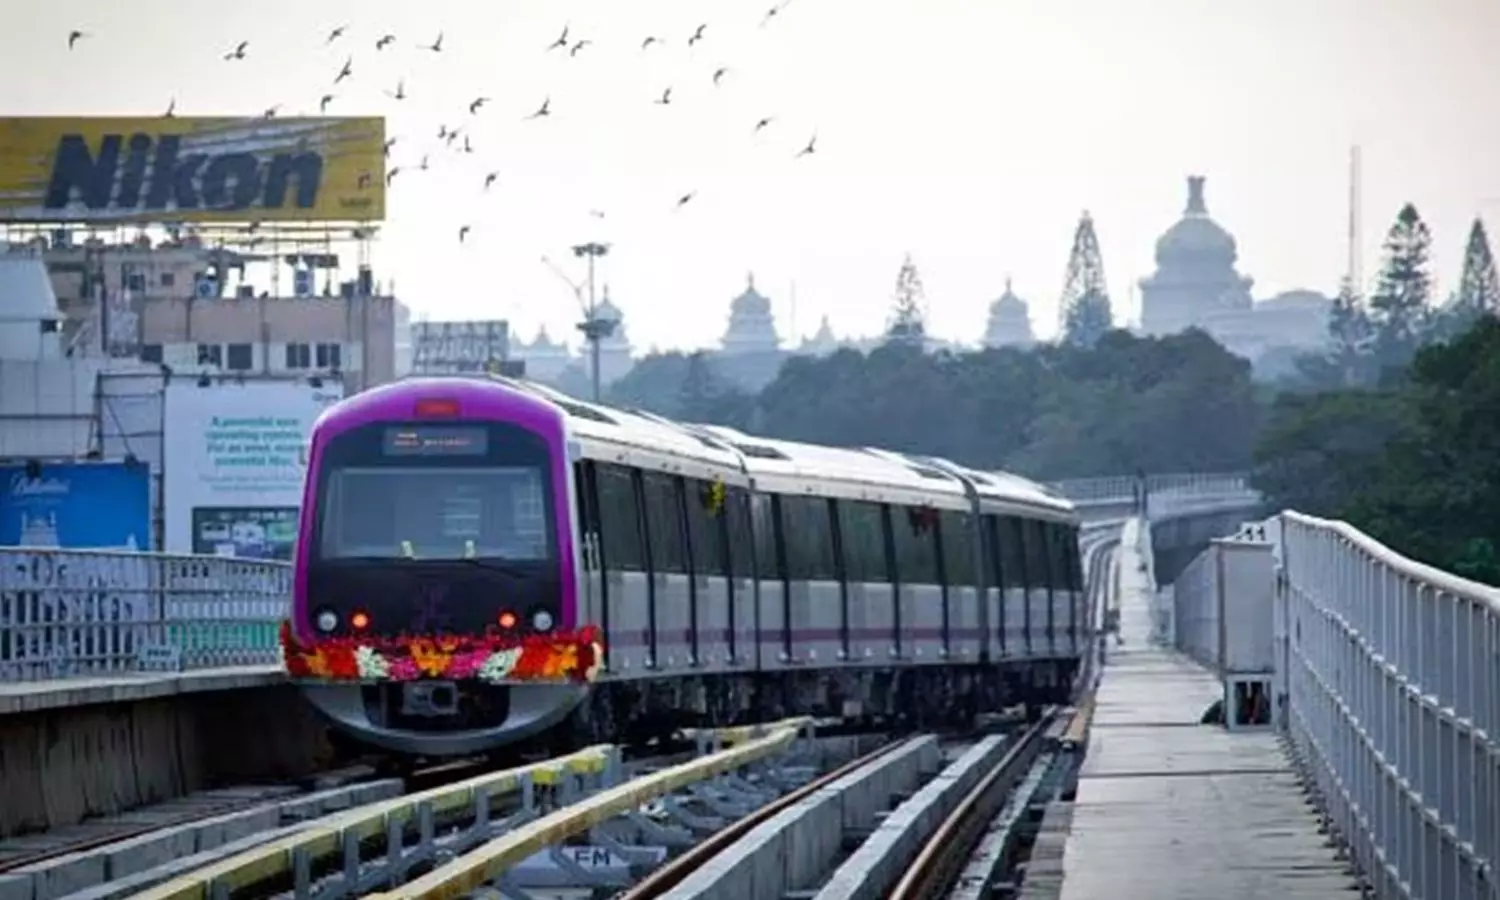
(733, 577)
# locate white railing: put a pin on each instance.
(1121, 488)
(1393, 680)
(1387, 684)
(68, 613)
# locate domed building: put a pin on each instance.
(752, 327)
(1009, 323)
(545, 358)
(1196, 285)
(614, 351)
(1195, 277)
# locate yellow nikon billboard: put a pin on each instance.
(105, 171)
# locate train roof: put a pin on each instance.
(644, 439)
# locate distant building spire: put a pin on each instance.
(1195, 204)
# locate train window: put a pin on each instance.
(990, 549)
(916, 545)
(741, 533)
(1012, 552)
(763, 517)
(863, 532)
(958, 548)
(620, 518)
(664, 519)
(1073, 562)
(809, 539)
(705, 516)
(587, 511)
(1038, 561)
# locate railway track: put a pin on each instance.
(668, 825)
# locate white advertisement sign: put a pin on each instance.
(235, 458)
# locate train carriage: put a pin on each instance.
(730, 575)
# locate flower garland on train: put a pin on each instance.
(494, 659)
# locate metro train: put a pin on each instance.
(718, 577)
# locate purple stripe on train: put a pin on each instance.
(479, 401)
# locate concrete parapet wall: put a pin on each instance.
(877, 865)
(61, 765)
(790, 850)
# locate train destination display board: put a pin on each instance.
(113, 170)
(436, 440)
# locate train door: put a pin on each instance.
(593, 588)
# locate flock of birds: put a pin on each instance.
(456, 138)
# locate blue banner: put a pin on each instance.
(78, 506)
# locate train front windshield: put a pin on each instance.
(438, 492)
(437, 513)
(434, 528)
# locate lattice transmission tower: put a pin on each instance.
(1085, 309)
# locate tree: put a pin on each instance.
(908, 315)
(1086, 313)
(1399, 307)
(1478, 286)
(1351, 331)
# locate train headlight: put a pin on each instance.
(328, 620)
(541, 620)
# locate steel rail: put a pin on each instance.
(947, 850)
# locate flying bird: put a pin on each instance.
(665, 98)
(346, 71)
(544, 110)
(573, 51)
(561, 42)
(74, 37)
(452, 136)
(697, 35)
(423, 166)
(648, 42)
(400, 91)
(763, 123)
(490, 179)
(463, 233)
(719, 74)
(390, 176)
(478, 102)
(171, 112)
(437, 45)
(385, 41)
(323, 104)
(683, 200)
(812, 144)
(238, 52)
(389, 143)
(271, 112)
(335, 34)
(442, 132)
(467, 148)
(774, 11)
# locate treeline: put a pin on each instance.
(1396, 429)
(1181, 403)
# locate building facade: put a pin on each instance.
(189, 305)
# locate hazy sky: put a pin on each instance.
(970, 133)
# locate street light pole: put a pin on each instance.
(594, 328)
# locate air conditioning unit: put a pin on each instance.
(206, 287)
